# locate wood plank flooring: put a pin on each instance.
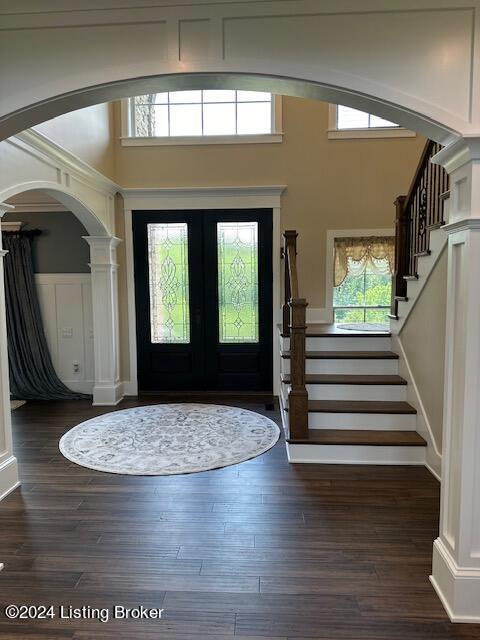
(263, 550)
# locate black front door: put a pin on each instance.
(203, 295)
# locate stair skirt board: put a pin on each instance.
(355, 454)
(347, 367)
(375, 421)
(344, 343)
(393, 393)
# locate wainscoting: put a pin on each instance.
(66, 305)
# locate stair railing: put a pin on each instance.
(294, 326)
(417, 213)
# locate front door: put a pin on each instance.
(203, 295)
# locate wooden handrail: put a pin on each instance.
(294, 326)
(417, 213)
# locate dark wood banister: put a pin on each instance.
(294, 326)
(417, 213)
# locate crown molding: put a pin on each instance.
(260, 196)
(40, 207)
(43, 144)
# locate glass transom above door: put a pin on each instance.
(168, 283)
(237, 253)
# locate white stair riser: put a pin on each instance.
(355, 454)
(348, 367)
(377, 421)
(380, 392)
(344, 344)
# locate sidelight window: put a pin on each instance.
(237, 251)
(168, 282)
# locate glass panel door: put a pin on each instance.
(237, 251)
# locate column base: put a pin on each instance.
(458, 588)
(8, 476)
(107, 395)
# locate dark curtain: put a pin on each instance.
(32, 376)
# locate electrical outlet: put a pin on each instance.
(76, 367)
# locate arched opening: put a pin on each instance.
(55, 106)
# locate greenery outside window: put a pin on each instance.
(363, 298)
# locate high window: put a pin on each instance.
(201, 116)
(348, 118)
(346, 122)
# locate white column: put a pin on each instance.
(456, 551)
(108, 389)
(8, 463)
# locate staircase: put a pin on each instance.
(342, 398)
(357, 409)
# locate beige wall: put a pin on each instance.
(331, 184)
(423, 340)
(88, 133)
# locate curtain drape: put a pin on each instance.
(32, 376)
(354, 255)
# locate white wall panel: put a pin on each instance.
(66, 306)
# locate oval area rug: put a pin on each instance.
(168, 439)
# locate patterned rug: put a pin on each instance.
(169, 439)
(365, 326)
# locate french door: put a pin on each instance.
(203, 295)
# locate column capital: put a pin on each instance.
(457, 154)
(103, 250)
(102, 241)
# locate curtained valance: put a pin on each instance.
(354, 255)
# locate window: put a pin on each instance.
(202, 116)
(237, 281)
(346, 122)
(363, 267)
(363, 298)
(348, 118)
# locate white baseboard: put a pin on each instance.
(433, 455)
(457, 587)
(107, 395)
(8, 476)
(130, 388)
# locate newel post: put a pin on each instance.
(399, 285)
(298, 396)
(290, 239)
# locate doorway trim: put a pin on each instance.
(201, 198)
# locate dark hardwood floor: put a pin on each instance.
(261, 550)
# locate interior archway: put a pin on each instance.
(87, 217)
(297, 87)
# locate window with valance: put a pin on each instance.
(354, 255)
(363, 268)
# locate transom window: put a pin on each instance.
(201, 113)
(348, 118)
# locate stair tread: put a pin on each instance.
(346, 355)
(361, 437)
(319, 330)
(321, 378)
(360, 406)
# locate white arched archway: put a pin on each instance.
(409, 62)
